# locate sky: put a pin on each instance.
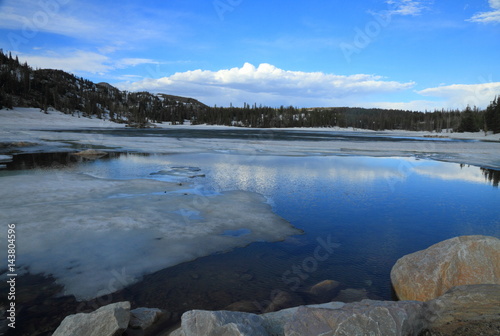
(405, 54)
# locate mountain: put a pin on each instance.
(21, 85)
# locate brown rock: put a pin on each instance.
(245, 306)
(284, 300)
(325, 290)
(465, 310)
(466, 260)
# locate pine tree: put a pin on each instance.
(468, 121)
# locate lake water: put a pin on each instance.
(358, 216)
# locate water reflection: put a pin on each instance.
(493, 176)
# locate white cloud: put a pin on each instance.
(492, 16)
(405, 7)
(84, 21)
(461, 95)
(79, 61)
(269, 85)
(76, 61)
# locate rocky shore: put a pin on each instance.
(451, 288)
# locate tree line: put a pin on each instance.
(21, 85)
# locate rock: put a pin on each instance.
(375, 318)
(143, 318)
(466, 260)
(244, 306)
(283, 300)
(352, 295)
(274, 322)
(472, 309)
(220, 323)
(109, 320)
(325, 290)
(206, 323)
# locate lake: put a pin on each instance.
(354, 215)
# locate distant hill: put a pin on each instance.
(21, 85)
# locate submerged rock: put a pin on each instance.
(110, 320)
(143, 318)
(352, 295)
(427, 274)
(325, 290)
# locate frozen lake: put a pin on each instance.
(235, 217)
(370, 210)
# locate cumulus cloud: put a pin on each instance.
(492, 16)
(267, 83)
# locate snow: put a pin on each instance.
(84, 230)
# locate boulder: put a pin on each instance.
(274, 322)
(465, 310)
(375, 318)
(466, 260)
(205, 323)
(110, 320)
(220, 323)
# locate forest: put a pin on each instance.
(21, 85)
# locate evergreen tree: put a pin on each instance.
(468, 122)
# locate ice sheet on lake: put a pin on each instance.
(74, 227)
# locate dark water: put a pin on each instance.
(358, 214)
(261, 134)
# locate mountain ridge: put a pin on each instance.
(23, 86)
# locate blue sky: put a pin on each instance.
(411, 54)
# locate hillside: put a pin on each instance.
(23, 86)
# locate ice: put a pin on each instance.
(94, 241)
(30, 125)
(5, 158)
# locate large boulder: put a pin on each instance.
(427, 274)
(376, 318)
(465, 310)
(220, 323)
(110, 320)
